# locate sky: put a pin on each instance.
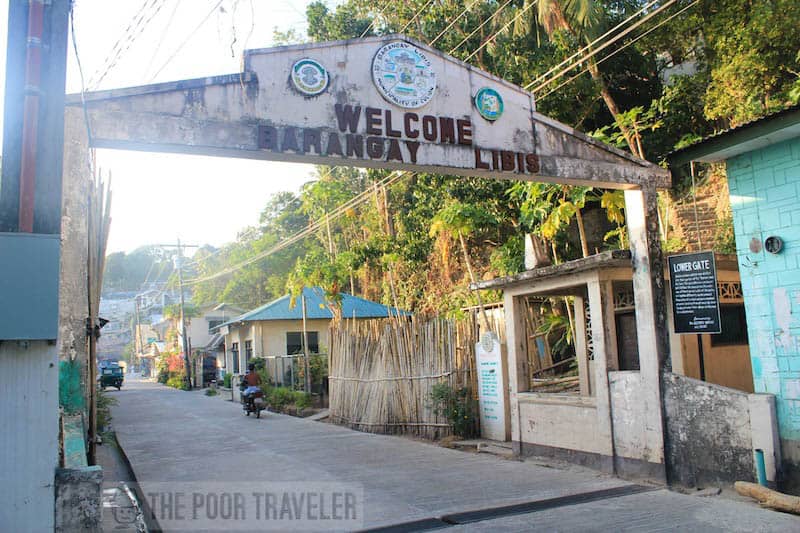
(159, 198)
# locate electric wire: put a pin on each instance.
(185, 41)
(588, 46)
(143, 23)
(616, 51)
(602, 47)
(501, 30)
(417, 14)
(308, 230)
(484, 23)
(372, 22)
(89, 161)
(162, 37)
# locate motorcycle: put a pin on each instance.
(252, 401)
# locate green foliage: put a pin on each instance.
(302, 400)
(174, 311)
(104, 404)
(280, 397)
(226, 380)
(724, 236)
(177, 381)
(458, 406)
(558, 329)
(720, 63)
(211, 392)
(127, 272)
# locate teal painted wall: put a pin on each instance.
(765, 200)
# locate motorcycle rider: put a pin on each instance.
(252, 380)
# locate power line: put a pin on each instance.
(588, 46)
(417, 14)
(501, 30)
(308, 230)
(185, 41)
(602, 47)
(620, 48)
(372, 22)
(161, 39)
(484, 23)
(131, 35)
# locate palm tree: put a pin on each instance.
(462, 220)
(582, 19)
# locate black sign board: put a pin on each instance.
(695, 303)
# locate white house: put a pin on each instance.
(275, 330)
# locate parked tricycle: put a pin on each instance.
(110, 375)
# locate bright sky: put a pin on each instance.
(160, 197)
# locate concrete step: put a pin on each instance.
(485, 446)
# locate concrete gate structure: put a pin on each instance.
(382, 102)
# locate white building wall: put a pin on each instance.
(29, 436)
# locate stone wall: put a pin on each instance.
(765, 190)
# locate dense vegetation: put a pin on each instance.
(716, 65)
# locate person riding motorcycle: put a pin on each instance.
(252, 379)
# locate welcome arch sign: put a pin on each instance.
(381, 102)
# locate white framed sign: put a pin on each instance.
(492, 399)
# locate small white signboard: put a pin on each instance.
(491, 388)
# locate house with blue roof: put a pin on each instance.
(276, 329)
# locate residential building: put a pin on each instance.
(762, 160)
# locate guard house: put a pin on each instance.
(605, 420)
(762, 161)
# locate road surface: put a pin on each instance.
(193, 455)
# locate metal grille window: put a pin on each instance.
(294, 342)
(734, 326)
(235, 356)
(248, 351)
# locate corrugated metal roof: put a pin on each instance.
(720, 141)
(316, 308)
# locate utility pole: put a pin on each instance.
(306, 364)
(184, 334)
(138, 347)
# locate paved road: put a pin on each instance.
(184, 441)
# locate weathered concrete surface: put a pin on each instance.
(78, 499)
(228, 116)
(170, 435)
(708, 432)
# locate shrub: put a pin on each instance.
(280, 397)
(226, 381)
(163, 376)
(104, 403)
(458, 407)
(302, 400)
(177, 381)
(211, 392)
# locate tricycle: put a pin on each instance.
(111, 375)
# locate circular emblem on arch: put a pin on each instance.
(489, 103)
(403, 75)
(309, 77)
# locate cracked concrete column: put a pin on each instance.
(73, 296)
(641, 213)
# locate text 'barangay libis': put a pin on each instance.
(372, 133)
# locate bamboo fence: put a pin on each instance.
(382, 372)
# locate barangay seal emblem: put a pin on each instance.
(403, 75)
(489, 103)
(309, 77)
